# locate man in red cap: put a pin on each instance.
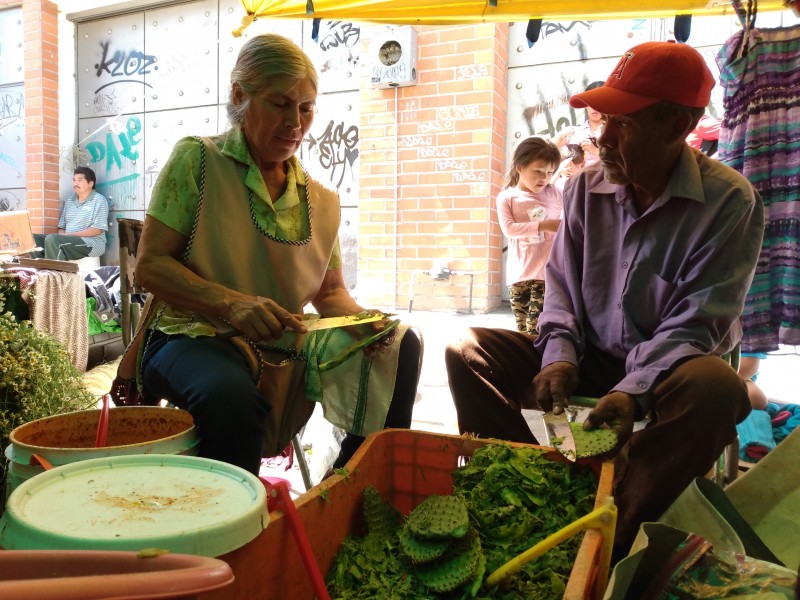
(645, 286)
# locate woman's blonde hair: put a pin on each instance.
(529, 150)
(262, 59)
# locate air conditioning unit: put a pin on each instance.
(393, 57)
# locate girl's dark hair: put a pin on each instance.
(594, 85)
(529, 150)
(575, 152)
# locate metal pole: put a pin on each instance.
(411, 294)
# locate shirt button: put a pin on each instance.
(624, 265)
(642, 386)
(619, 306)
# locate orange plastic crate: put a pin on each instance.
(405, 467)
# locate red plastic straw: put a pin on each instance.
(300, 537)
(102, 425)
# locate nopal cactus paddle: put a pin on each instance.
(592, 442)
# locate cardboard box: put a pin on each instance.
(405, 467)
(15, 233)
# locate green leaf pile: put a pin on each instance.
(515, 497)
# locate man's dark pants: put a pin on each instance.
(693, 417)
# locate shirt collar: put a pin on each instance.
(235, 146)
(686, 181)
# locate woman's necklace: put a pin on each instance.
(268, 235)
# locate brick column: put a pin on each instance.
(432, 161)
(40, 22)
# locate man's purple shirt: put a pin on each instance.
(655, 288)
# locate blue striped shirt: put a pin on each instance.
(92, 212)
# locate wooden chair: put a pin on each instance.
(130, 232)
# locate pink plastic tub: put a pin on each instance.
(92, 574)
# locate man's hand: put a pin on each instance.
(554, 384)
(617, 410)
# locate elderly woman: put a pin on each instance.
(238, 239)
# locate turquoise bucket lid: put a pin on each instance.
(184, 504)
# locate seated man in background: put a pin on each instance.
(645, 286)
(82, 225)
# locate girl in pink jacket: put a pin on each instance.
(529, 210)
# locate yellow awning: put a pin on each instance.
(452, 12)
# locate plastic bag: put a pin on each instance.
(674, 565)
(696, 571)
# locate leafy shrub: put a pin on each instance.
(37, 380)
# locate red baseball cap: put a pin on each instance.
(649, 73)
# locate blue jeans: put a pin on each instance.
(209, 377)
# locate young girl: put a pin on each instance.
(529, 210)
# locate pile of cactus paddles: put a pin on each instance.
(504, 501)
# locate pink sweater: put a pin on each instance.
(519, 214)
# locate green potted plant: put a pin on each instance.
(37, 380)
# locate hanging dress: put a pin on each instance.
(760, 138)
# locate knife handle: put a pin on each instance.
(583, 401)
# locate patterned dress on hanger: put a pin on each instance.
(760, 138)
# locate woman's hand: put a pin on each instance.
(563, 169)
(381, 344)
(563, 136)
(589, 147)
(261, 319)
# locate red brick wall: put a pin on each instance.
(432, 161)
(40, 23)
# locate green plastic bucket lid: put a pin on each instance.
(184, 504)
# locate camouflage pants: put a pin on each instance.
(527, 300)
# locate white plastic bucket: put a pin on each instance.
(182, 504)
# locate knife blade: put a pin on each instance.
(313, 323)
(327, 323)
(559, 432)
(558, 429)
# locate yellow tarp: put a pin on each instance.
(451, 12)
